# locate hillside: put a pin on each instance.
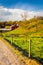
(31, 27)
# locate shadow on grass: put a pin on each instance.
(40, 60)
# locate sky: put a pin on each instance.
(13, 9)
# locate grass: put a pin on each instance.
(37, 48)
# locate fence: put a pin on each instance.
(31, 47)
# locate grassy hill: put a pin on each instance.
(31, 27)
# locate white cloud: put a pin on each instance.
(15, 14)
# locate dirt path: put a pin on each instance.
(6, 56)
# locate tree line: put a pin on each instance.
(9, 23)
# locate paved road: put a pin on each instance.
(6, 56)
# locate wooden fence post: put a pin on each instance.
(29, 48)
(11, 39)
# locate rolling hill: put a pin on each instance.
(32, 27)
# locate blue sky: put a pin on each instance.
(12, 9)
(26, 4)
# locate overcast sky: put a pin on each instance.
(12, 9)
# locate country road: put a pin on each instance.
(6, 56)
